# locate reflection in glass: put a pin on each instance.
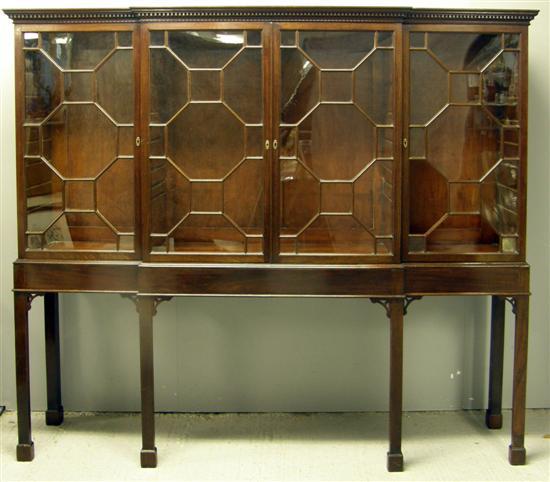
(501, 87)
(464, 50)
(170, 196)
(428, 86)
(168, 92)
(79, 198)
(212, 142)
(43, 85)
(205, 48)
(336, 119)
(299, 86)
(115, 86)
(242, 86)
(78, 50)
(464, 196)
(374, 86)
(207, 194)
(337, 50)
(68, 130)
(44, 190)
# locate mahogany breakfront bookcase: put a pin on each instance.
(376, 153)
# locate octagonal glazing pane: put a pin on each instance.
(71, 128)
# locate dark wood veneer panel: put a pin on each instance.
(75, 277)
(466, 279)
(291, 281)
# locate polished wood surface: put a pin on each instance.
(348, 152)
(54, 412)
(493, 416)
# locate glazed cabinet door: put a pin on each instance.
(337, 122)
(205, 120)
(75, 124)
(466, 121)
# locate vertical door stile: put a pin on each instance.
(274, 95)
(405, 202)
(398, 135)
(143, 132)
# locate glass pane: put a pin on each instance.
(244, 194)
(205, 85)
(336, 86)
(80, 231)
(464, 88)
(170, 196)
(79, 86)
(44, 190)
(205, 48)
(242, 86)
(207, 194)
(464, 195)
(254, 37)
(207, 233)
(80, 192)
(501, 87)
(30, 39)
(299, 86)
(79, 195)
(511, 40)
(78, 50)
(374, 86)
(464, 51)
(168, 85)
(428, 87)
(73, 126)
(115, 86)
(336, 120)
(336, 50)
(213, 143)
(43, 86)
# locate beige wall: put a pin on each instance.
(218, 354)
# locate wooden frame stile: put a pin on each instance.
(19, 139)
(524, 107)
(145, 176)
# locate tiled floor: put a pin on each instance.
(349, 446)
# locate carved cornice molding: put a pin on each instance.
(283, 14)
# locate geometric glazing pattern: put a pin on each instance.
(79, 93)
(206, 142)
(464, 142)
(336, 142)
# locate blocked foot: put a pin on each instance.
(25, 452)
(493, 420)
(54, 417)
(149, 458)
(516, 455)
(395, 462)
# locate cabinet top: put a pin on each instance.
(289, 14)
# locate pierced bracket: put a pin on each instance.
(513, 303)
(408, 301)
(157, 300)
(30, 298)
(385, 302)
